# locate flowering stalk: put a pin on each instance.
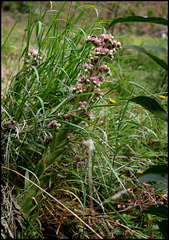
(31, 61)
(87, 88)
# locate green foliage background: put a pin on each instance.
(131, 138)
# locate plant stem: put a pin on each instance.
(90, 180)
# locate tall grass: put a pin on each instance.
(126, 138)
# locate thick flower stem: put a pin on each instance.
(53, 143)
(90, 180)
(61, 136)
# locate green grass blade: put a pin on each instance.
(50, 27)
(29, 29)
(27, 183)
(11, 31)
(38, 29)
(36, 72)
(42, 103)
(156, 59)
(58, 106)
(33, 227)
(139, 86)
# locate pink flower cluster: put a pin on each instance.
(83, 104)
(88, 67)
(104, 68)
(95, 70)
(88, 114)
(105, 45)
(53, 123)
(146, 198)
(100, 123)
(79, 88)
(32, 58)
(98, 93)
(95, 80)
(68, 115)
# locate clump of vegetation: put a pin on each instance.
(15, 7)
(77, 134)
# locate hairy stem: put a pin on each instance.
(90, 180)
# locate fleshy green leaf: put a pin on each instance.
(51, 158)
(40, 168)
(143, 50)
(163, 226)
(155, 173)
(157, 20)
(151, 105)
(152, 177)
(157, 169)
(160, 211)
(158, 48)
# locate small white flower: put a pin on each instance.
(89, 143)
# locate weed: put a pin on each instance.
(64, 96)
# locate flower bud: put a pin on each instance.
(88, 114)
(48, 139)
(100, 94)
(73, 114)
(51, 124)
(118, 44)
(114, 43)
(109, 46)
(85, 65)
(69, 136)
(83, 104)
(97, 42)
(35, 53)
(100, 123)
(101, 78)
(102, 36)
(67, 115)
(82, 79)
(31, 51)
